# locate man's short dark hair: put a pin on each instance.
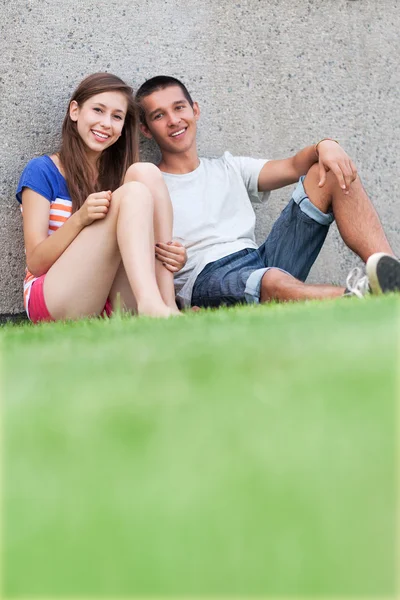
(160, 82)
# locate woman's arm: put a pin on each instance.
(42, 250)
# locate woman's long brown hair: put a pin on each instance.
(115, 160)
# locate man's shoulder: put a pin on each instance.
(224, 161)
(226, 156)
(240, 165)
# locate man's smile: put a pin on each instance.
(178, 133)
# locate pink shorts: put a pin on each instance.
(37, 306)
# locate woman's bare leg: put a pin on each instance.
(121, 295)
(135, 235)
(151, 177)
(80, 280)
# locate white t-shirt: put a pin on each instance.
(213, 216)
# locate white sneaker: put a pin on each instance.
(357, 283)
(383, 272)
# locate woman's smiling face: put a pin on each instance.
(100, 120)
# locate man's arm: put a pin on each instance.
(331, 157)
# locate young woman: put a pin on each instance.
(92, 215)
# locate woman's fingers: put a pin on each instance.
(99, 199)
(106, 194)
(94, 204)
(171, 255)
(171, 268)
(101, 209)
(168, 260)
(171, 248)
(165, 253)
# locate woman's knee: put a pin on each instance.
(143, 172)
(133, 191)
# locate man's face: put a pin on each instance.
(170, 120)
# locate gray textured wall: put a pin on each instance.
(270, 75)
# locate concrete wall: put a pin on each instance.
(271, 76)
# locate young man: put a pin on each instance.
(214, 219)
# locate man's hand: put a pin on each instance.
(333, 158)
(172, 255)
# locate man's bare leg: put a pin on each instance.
(280, 286)
(356, 218)
(358, 224)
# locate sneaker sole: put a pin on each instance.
(383, 273)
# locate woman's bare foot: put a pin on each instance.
(175, 310)
(149, 309)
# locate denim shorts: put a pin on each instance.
(292, 246)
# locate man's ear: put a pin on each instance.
(145, 130)
(196, 111)
(74, 110)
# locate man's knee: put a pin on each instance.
(321, 197)
(331, 184)
(273, 283)
(313, 173)
(314, 176)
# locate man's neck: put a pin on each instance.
(179, 164)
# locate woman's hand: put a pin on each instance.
(94, 208)
(172, 255)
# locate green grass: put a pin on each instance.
(250, 451)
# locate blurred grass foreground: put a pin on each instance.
(248, 451)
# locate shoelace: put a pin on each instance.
(357, 283)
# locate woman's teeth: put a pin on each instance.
(103, 136)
